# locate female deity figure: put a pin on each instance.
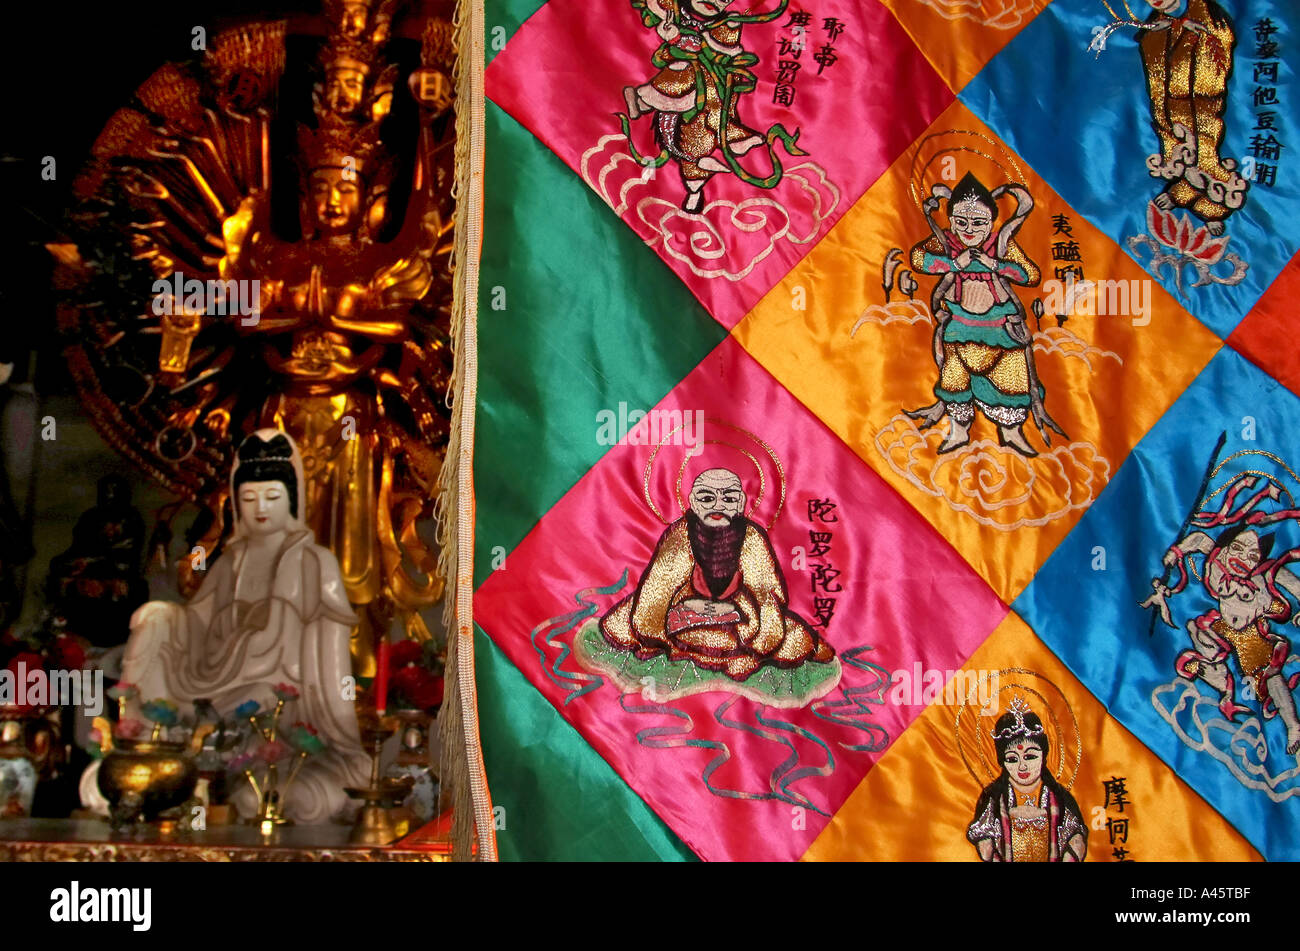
(982, 343)
(1025, 815)
(272, 609)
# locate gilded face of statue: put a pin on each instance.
(972, 223)
(1242, 556)
(263, 507)
(717, 497)
(337, 201)
(353, 23)
(1024, 763)
(344, 89)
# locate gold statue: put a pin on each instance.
(337, 335)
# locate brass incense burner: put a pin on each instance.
(142, 778)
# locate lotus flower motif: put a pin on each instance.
(241, 762)
(274, 751)
(1177, 233)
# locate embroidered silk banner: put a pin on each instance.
(886, 436)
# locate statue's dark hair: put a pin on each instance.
(971, 187)
(268, 460)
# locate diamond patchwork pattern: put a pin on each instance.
(780, 166)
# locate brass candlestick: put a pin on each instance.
(374, 825)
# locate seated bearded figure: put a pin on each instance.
(713, 593)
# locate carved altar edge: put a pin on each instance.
(57, 840)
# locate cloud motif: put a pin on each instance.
(725, 239)
(1067, 344)
(898, 311)
(996, 487)
(999, 14)
(1242, 747)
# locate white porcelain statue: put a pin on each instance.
(271, 610)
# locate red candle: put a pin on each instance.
(381, 677)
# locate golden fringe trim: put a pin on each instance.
(461, 761)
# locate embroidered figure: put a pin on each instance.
(714, 594)
(1188, 59)
(1250, 591)
(1025, 814)
(982, 343)
(706, 649)
(703, 74)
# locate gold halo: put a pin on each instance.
(974, 736)
(1266, 475)
(916, 176)
(762, 480)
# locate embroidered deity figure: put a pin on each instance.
(982, 344)
(1248, 587)
(273, 609)
(714, 594)
(1188, 59)
(1025, 815)
(694, 97)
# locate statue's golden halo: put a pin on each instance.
(974, 732)
(968, 143)
(715, 453)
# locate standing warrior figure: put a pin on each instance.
(1248, 586)
(982, 344)
(703, 73)
(1187, 57)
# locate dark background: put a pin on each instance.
(71, 67)
(78, 64)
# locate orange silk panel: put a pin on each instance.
(828, 335)
(917, 802)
